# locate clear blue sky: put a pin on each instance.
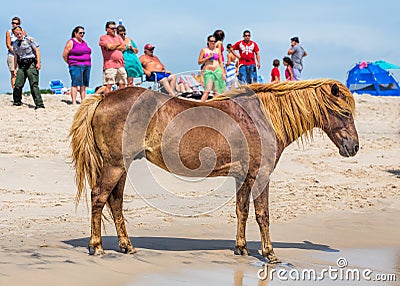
(336, 34)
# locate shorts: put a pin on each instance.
(80, 75)
(247, 74)
(10, 62)
(113, 76)
(160, 76)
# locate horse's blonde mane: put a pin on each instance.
(296, 107)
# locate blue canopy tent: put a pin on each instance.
(373, 78)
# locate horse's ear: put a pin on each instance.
(335, 90)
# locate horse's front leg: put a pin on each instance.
(115, 201)
(99, 196)
(262, 216)
(242, 213)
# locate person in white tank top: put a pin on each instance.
(10, 39)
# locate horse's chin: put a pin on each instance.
(345, 151)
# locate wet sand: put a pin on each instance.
(323, 207)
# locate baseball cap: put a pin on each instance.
(296, 39)
(149, 47)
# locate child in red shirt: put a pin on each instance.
(275, 74)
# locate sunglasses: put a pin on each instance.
(212, 41)
(112, 28)
(122, 33)
(81, 33)
(14, 23)
(247, 35)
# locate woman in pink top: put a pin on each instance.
(77, 55)
(287, 62)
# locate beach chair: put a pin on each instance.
(194, 80)
(149, 84)
(56, 86)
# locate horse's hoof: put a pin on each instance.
(99, 251)
(128, 250)
(241, 250)
(272, 259)
(96, 251)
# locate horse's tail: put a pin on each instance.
(86, 157)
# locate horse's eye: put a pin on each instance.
(347, 114)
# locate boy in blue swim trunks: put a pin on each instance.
(153, 68)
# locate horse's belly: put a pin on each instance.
(206, 162)
(198, 151)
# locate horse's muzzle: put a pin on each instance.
(349, 148)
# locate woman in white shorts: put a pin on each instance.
(10, 39)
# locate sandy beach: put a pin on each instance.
(323, 208)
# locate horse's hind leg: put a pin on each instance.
(108, 179)
(115, 201)
(262, 217)
(242, 213)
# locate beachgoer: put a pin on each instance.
(10, 39)
(297, 54)
(133, 66)
(153, 67)
(214, 71)
(231, 68)
(249, 60)
(183, 87)
(27, 60)
(112, 47)
(219, 36)
(287, 62)
(275, 74)
(77, 54)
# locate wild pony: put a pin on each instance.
(254, 125)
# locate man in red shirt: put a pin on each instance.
(249, 54)
(112, 47)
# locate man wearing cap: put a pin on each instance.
(155, 70)
(297, 53)
(112, 47)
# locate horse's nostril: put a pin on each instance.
(356, 148)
